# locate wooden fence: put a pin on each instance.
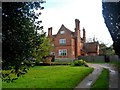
(113, 58)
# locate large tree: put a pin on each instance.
(111, 14)
(20, 39)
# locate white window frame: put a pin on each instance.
(61, 51)
(62, 32)
(62, 41)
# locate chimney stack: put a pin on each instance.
(77, 24)
(78, 38)
(84, 35)
(50, 31)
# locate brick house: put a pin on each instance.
(69, 44)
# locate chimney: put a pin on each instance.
(84, 35)
(78, 37)
(77, 28)
(50, 31)
(77, 24)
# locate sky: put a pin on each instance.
(89, 12)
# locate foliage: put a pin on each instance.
(80, 63)
(42, 49)
(111, 14)
(20, 37)
(117, 65)
(50, 77)
(104, 50)
(102, 81)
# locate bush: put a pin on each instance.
(80, 63)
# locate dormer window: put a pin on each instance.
(62, 32)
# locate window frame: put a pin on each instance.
(62, 41)
(62, 52)
(62, 32)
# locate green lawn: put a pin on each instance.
(102, 81)
(50, 77)
(0, 83)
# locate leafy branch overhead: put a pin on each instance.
(20, 37)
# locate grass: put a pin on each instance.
(50, 77)
(116, 64)
(0, 84)
(102, 81)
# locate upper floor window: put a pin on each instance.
(62, 41)
(62, 32)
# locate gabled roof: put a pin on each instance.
(66, 29)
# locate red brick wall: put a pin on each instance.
(73, 47)
(70, 46)
(66, 36)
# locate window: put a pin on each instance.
(63, 52)
(62, 32)
(62, 41)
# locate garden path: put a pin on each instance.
(91, 78)
(113, 81)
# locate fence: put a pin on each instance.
(105, 58)
(113, 58)
(65, 60)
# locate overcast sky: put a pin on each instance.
(89, 12)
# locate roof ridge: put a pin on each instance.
(66, 27)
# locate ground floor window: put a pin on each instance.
(62, 52)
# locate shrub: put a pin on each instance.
(80, 63)
(76, 63)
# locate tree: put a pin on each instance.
(111, 14)
(104, 50)
(19, 35)
(43, 48)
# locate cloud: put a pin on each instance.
(89, 12)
